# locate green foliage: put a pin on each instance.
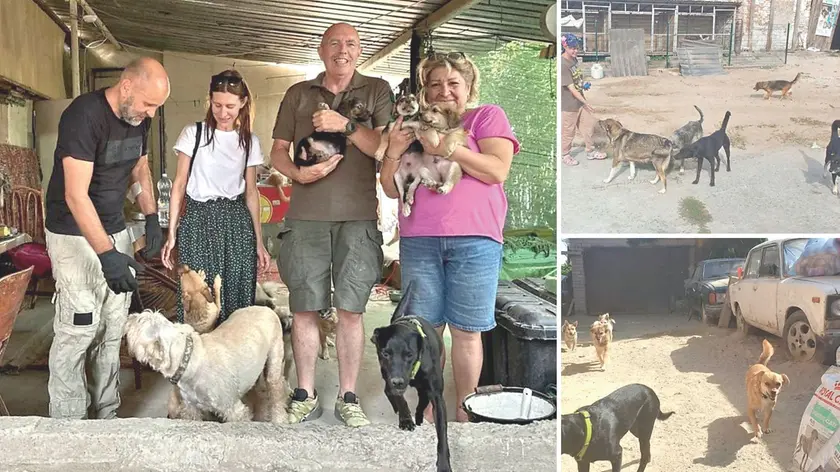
(524, 85)
(566, 268)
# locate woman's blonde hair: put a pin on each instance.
(451, 61)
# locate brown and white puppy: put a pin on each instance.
(327, 324)
(601, 339)
(408, 107)
(609, 322)
(201, 308)
(570, 334)
(763, 387)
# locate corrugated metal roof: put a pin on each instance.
(288, 31)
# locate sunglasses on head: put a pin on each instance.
(220, 80)
(453, 56)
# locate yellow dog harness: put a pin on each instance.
(588, 422)
(416, 367)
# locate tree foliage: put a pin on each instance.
(524, 85)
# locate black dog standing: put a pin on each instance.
(594, 432)
(707, 148)
(832, 155)
(409, 351)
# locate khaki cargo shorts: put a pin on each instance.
(312, 254)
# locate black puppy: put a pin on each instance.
(707, 148)
(409, 351)
(633, 408)
(321, 145)
(832, 156)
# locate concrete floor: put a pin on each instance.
(26, 394)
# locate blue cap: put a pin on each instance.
(570, 40)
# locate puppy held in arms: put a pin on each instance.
(322, 145)
(201, 308)
(407, 107)
(215, 370)
(409, 352)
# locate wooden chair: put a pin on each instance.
(24, 210)
(12, 293)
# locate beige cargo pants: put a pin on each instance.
(89, 322)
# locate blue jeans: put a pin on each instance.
(454, 279)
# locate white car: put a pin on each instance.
(804, 311)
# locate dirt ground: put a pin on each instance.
(698, 372)
(778, 151)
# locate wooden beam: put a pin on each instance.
(100, 25)
(438, 17)
(52, 15)
(74, 47)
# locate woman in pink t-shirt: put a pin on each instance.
(451, 245)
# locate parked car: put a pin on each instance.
(804, 311)
(705, 290)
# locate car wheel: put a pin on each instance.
(740, 324)
(800, 339)
(704, 315)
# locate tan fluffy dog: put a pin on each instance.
(201, 308)
(763, 387)
(601, 339)
(609, 322)
(570, 334)
(215, 370)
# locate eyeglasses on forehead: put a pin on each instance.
(219, 80)
(453, 56)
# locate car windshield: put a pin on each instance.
(717, 269)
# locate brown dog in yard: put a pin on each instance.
(201, 308)
(763, 387)
(770, 86)
(609, 322)
(327, 323)
(637, 148)
(570, 334)
(601, 339)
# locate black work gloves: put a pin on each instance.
(115, 266)
(154, 237)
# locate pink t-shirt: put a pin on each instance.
(472, 208)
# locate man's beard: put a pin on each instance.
(126, 113)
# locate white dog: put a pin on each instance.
(272, 295)
(215, 370)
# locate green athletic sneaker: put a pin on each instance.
(349, 411)
(303, 407)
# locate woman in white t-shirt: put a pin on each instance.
(220, 231)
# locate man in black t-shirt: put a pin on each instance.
(101, 150)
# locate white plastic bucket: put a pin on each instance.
(597, 71)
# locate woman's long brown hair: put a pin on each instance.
(231, 81)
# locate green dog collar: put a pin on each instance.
(588, 422)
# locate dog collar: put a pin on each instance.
(588, 423)
(188, 349)
(416, 367)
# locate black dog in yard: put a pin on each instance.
(633, 408)
(409, 351)
(707, 148)
(832, 156)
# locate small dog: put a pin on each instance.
(437, 123)
(201, 308)
(632, 147)
(633, 408)
(770, 86)
(601, 339)
(687, 134)
(408, 107)
(805, 444)
(708, 148)
(322, 145)
(763, 387)
(609, 322)
(327, 325)
(419, 167)
(570, 334)
(832, 156)
(409, 352)
(272, 295)
(215, 370)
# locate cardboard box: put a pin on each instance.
(272, 207)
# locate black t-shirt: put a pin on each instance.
(90, 131)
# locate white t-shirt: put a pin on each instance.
(218, 167)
